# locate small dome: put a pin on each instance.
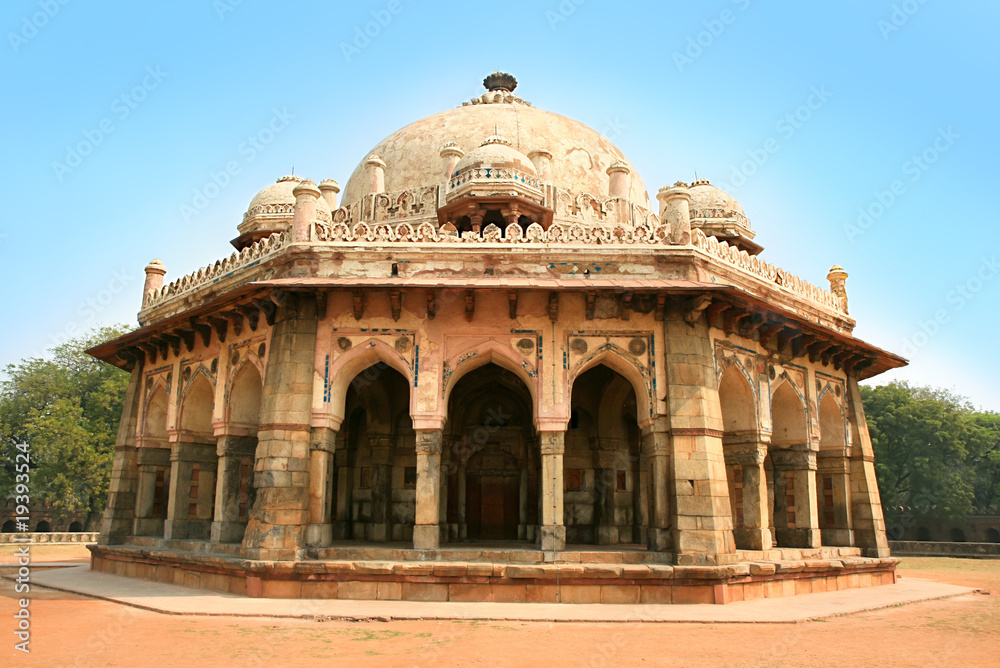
(711, 203)
(496, 152)
(279, 192)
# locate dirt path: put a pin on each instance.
(69, 630)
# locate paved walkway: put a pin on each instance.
(176, 600)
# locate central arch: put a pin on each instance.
(490, 459)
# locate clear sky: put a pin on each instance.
(861, 132)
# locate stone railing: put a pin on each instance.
(485, 174)
(754, 265)
(577, 235)
(51, 537)
(247, 257)
(926, 548)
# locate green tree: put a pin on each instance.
(935, 456)
(66, 409)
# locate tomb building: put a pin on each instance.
(492, 369)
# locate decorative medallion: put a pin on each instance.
(578, 346)
(344, 343)
(637, 347)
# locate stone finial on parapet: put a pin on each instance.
(155, 271)
(330, 188)
(618, 181)
(675, 211)
(376, 173)
(450, 155)
(838, 284)
(306, 195)
(541, 159)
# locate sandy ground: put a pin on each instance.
(69, 630)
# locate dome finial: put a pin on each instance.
(500, 81)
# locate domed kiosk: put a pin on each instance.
(493, 372)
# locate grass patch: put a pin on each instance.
(952, 564)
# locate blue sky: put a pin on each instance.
(861, 133)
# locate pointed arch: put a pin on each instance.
(788, 416)
(243, 398)
(833, 428)
(195, 415)
(364, 356)
(626, 364)
(739, 405)
(154, 421)
(490, 352)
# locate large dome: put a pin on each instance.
(580, 154)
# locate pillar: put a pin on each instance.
(150, 462)
(552, 445)
(797, 527)
(541, 159)
(753, 533)
(379, 527)
(155, 272)
(605, 485)
(675, 211)
(618, 181)
(233, 452)
(376, 174)
(450, 155)
(866, 505)
(330, 188)
(427, 528)
(306, 195)
(656, 443)
(181, 523)
(835, 466)
(276, 529)
(119, 511)
(702, 519)
(319, 531)
(343, 520)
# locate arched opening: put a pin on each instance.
(833, 477)
(923, 533)
(992, 535)
(43, 527)
(192, 490)
(957, 535)
(374, 489)
(8, 527)
(235, 489)
(744, 453)
(792, 478)
(153, 459)
(75, 526)
(604, 502)
(494, 217)
(490, 459)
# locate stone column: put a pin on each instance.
(834, 464)
(119, 511)
(306, 195)
(343, 521)
(376, 174)
(553, 532)
(330, 188)
(618, 179)
(866, 505)
(277, 521)
(233, 452)
(675, 211)
(656, 444)
(703, 524)
(605, 486)
(319, 531)
(150, 461)
(380, 527)
(180, 523)
(754, 532)
(426, 529)
(801, 465)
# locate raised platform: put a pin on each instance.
(499, 573)
(178, 600)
